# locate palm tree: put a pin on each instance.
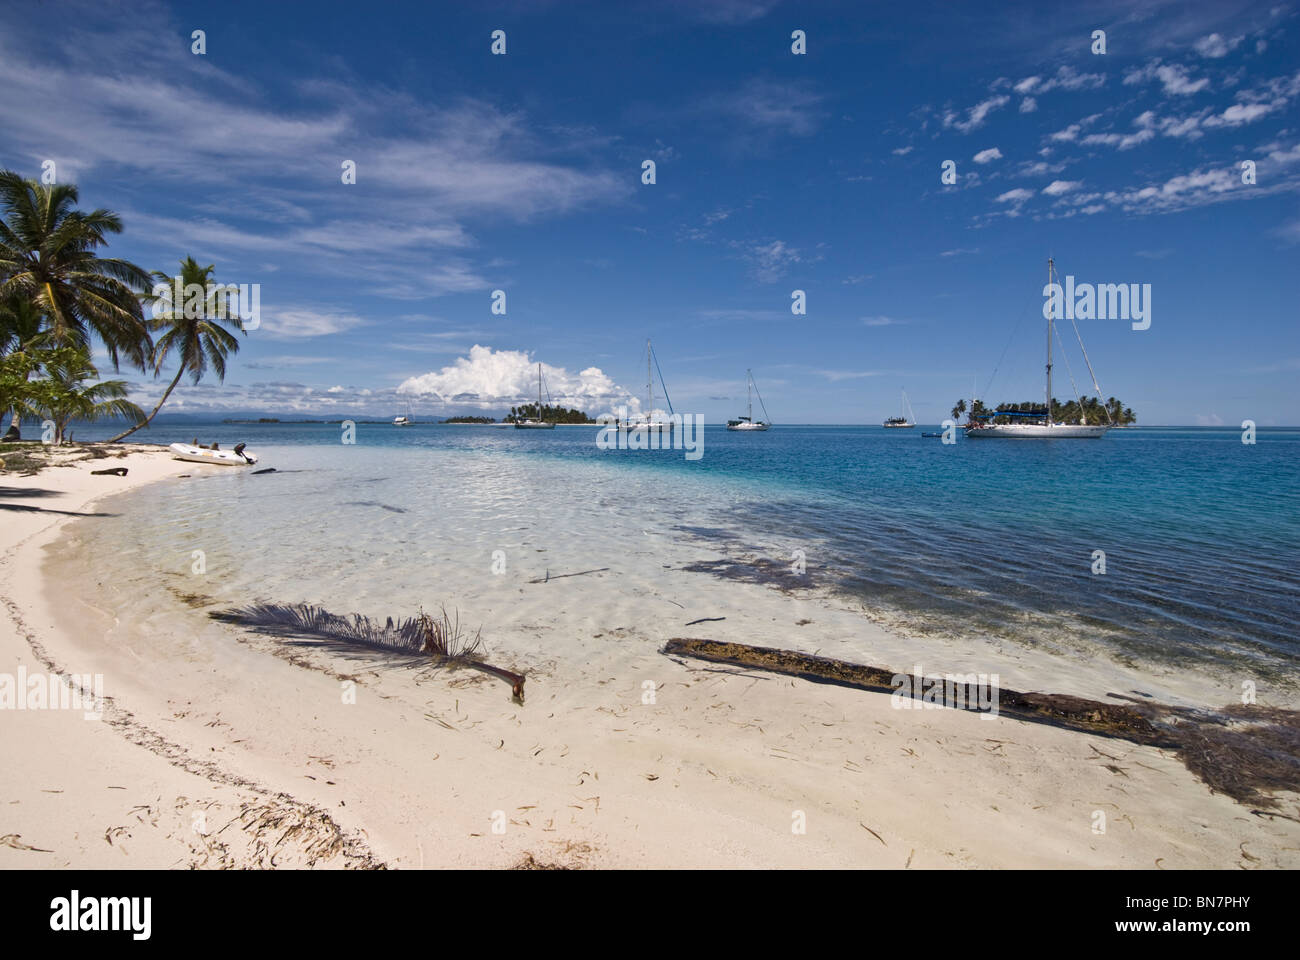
(49, 255)
(20, 328)
(958, 410)
(64, 395)
(199, 341)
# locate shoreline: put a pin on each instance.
(585, 774)
(113, 792)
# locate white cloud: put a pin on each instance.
(1066, 78)
(1018, 195)
(791, 107)
(295, 323)
(1241, 113)
(987, 156)
(976, 115)
(881, 321)
(771, 260)
(902, 151)
(1173, 77)
(1058, 187)
(1215, 46)
(1145, 123)
(1028, 105)
(494, 378)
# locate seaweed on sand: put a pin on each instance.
(1247, 752)
(440, 637)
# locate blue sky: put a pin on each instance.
(775, 172)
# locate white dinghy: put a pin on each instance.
(238, 457)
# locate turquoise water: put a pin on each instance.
(1201, 532)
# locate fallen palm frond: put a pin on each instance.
(440, 637)
(1245, 752)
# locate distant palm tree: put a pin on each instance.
(49, 255)
(958, 410)
(198, 340)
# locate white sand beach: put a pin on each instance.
(220, 748)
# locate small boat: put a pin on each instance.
(238, 457)
(1047, 429)
(748, 422)
(903, 422)
(648, 422)
(535, 423)
(401, 421)
(932, 434)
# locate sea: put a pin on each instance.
(1175, 546)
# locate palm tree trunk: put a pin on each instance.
(145, 422)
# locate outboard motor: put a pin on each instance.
(239, 449)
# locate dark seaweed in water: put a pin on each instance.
(372, 503)
(758, 570)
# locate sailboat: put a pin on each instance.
(404, 421)
(748, 422)
(1048, 428)
(905, 421)
(535, 423)
(648, 422)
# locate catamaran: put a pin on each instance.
(648, 422)
(905, 421)
(535, 423)
(748, 422)
(1048, 428)
(404, 420)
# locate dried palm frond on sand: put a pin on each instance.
(440, 637)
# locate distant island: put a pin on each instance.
(470, 420)
(549, 414)
(1093, 411)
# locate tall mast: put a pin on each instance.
(1051, 312)
(539, 391)
(749, 390)
(649, 383)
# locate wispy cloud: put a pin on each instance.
(1215, 46)
(976, 115)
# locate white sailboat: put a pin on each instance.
(535, 423)
(1048, 429)
(648, 422)
(748, 422)
(908, 418)
(405, 420)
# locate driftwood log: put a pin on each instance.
(1250, 752)
(1061, 710)
(112, 472)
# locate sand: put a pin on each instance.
(214, 747)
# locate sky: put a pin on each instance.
(774, 171)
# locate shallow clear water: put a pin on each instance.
(1200, 532)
